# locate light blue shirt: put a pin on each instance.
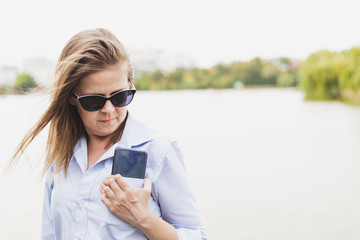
(72, 208)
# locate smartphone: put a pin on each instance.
(129, 163)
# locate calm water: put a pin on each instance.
(263, 164)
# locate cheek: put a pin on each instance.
(121, 113)
(86, 117)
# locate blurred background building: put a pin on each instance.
(150, 60)
(8, 75)
(41, 69)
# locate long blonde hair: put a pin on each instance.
(87, 52)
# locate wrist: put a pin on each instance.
(146, 220)
(155, 227)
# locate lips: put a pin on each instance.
(108, 121)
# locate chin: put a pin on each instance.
(110, 131)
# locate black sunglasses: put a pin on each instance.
(95, 102)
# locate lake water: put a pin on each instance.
(263, 163)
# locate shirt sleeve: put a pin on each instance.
(177, 204)
(47, 226)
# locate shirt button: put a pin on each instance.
(81, 203)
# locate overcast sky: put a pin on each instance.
(208, 31)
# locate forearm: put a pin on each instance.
(156, 228)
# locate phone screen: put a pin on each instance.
(129, 163)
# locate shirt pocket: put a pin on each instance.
(114, 228)
(135, 182)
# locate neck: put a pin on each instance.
(97, 145)
(99, 142)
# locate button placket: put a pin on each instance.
(81, 210)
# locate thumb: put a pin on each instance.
(147, 184)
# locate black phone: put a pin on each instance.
(129, 163)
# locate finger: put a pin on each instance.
(105, 200)
(147, 185)
(107, 191)
(110, 182)
(122, 182)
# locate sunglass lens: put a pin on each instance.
(123, 98)
(92, 103)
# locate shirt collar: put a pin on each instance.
(135, 133)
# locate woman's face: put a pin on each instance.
(105, 121)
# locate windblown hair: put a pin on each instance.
(87, 52)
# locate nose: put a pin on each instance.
(108, 107)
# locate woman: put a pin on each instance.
(88, 120)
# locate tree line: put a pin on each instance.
(324, 75)
(278, 72)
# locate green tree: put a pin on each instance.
(221, 69)
(319, 75)
(252, 72)
(349, 78)
(173, 79)
(249, 73)
(220, 77)
(202, 77)
(236, 71)
(25, 82)
(149, 81)
(155, 79)
(286, 79)
(2, 89)
(269, 74)
(142, 82)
